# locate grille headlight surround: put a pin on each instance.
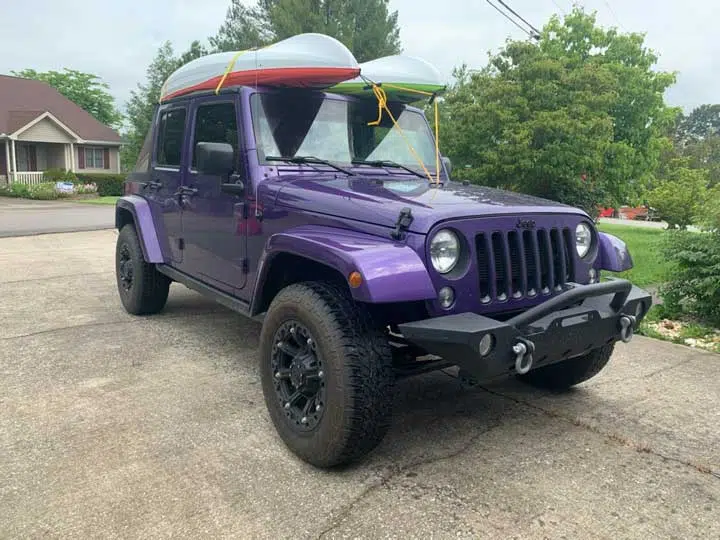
(444, 251)
(583, 239)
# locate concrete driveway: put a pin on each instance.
(21, 217)
(120, 427)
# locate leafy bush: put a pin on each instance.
(59, 175)
(14, 190)
(84, 189)
(107, 184)
(44, 192)
(693, 285)
(680, 197)
(709, 213)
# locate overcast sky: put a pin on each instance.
(117, 40)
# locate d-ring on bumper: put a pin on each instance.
(582, 318)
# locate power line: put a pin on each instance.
(559, 7)
(612, 11)
(529, 33)
(519, 17)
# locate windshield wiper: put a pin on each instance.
(310, 160)
(386, 163)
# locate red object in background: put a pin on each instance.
(607, 212)
(627, 212)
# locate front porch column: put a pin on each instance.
(72, 158)
(14, 158)
(7, 159)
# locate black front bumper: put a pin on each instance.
(582, 318)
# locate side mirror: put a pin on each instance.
(448, 165)
(215, 158)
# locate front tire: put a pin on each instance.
(566, 374)
(326, 374)
(142, 289)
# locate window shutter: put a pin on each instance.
(81, 157)
(106, 158)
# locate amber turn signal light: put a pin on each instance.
(355, 279)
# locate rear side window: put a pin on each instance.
(215, 122)
(171, 134)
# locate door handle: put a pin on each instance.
(237, 188)
(153, 184)
(185, 190)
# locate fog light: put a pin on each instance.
(486, 345)
(592, 274)
(446, 296)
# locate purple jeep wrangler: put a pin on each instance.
(288, 207)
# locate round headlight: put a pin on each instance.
(583, 239)
(444, 251)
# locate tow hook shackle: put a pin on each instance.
(627, 328)
(523, 351)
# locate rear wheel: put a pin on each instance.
(566, 374)
(143, 290)
(326, 373)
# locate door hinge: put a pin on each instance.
(245, 266)
(181, 243)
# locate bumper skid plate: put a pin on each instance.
(582, 318)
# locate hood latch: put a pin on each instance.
(402, 224)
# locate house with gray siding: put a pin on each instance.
(41, 129)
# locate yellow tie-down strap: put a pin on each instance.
(381, 96)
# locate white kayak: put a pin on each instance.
(404, 78)
(306, 60)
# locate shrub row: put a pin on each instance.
(42, 192)
(107, 184)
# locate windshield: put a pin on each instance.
(292, 125)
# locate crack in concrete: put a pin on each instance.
(668, 368)
(107, 323)
(608, 435)
(606, 382)
(30, 280)
(396, 470)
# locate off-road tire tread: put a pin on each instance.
(367, 364)
(566, 374)
(152, 294)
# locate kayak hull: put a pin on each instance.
(293, 77)
(305, 61)
(403, 78)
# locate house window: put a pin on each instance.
(94, 158)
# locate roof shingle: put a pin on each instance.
(22, 100)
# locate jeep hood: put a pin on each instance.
(379, 200)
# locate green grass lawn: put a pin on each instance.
(644, 243)
(99, 200)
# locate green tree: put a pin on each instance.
(702, 122)
(367, 27)
(86, 90)
(145, 97)
(705, 154)
(578, 117)
(244, 28)
(680, 197)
